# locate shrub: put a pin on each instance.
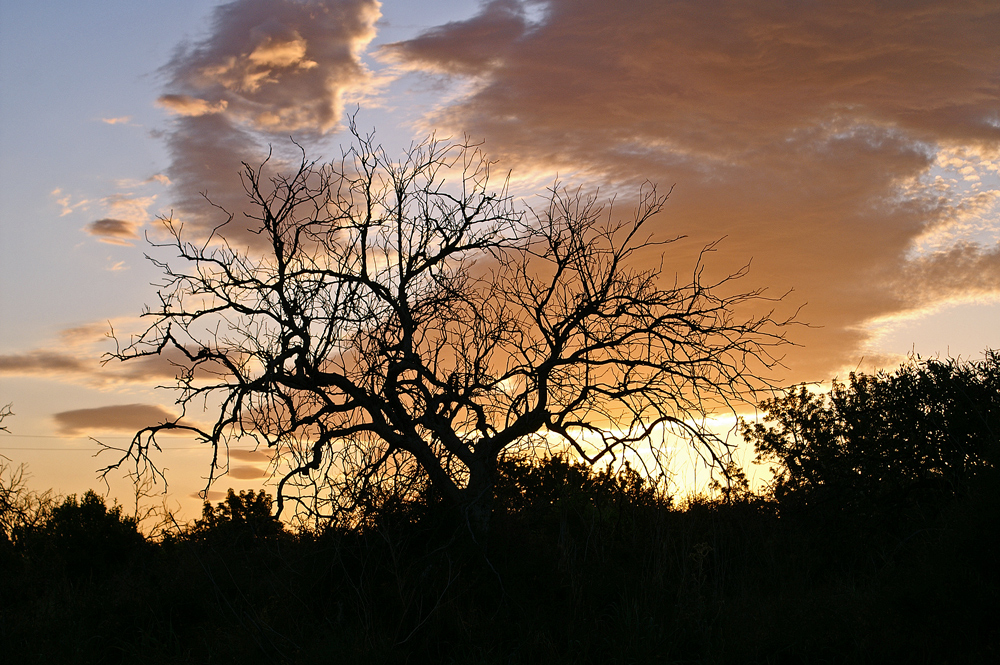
(918, 435)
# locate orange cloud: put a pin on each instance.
(795, 130)
(246, 472)
(65, 201)
(192, 106)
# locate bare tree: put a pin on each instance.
(5, 412)
(407, 318)
(21, 508)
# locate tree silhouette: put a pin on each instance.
(402, 319)
(86, 535)
(21, 508)
(5, 412)
(924, 430)
(239, 517)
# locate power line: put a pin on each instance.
(64, 438)
(64, 449)
(71, 448)
(90, 450)
(53, 436)
(91, 447)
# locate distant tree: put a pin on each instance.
(538, 484)
(242, 517)
(85, 535)
(406, 319)
(21, 508)
(924, 430)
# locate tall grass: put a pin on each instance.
(580, 567)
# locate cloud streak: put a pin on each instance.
(114, 231)
(118, 417)
(79, 354)
(44, 362)
(247, 473)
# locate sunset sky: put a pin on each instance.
(850, 153)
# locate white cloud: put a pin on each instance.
(65, 201)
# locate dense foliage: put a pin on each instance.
(581, 566)
(886, 441)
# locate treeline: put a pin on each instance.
(876, 542)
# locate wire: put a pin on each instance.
(82, 450)
(90, 450)
(53, 436)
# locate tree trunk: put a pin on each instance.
(477, 508)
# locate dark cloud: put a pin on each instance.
(206, 152)
(119, 417)
(115, 231)
(722, 78)
(267, 70)
(44, 362)
(800, 131)
(282, 66)
(88, 367)
(467, 47)
(80, 357)
(965, 267)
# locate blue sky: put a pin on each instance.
(853, 154)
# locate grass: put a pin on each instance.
(591, 574)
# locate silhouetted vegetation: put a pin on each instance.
(883, 442)
(22, 509)
(403, 322)
(241, 518)
(844, 559)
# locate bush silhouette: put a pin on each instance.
(532, 486)
(921, 434)
(86, 536)
(238, 519)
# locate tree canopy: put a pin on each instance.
(926, 429)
